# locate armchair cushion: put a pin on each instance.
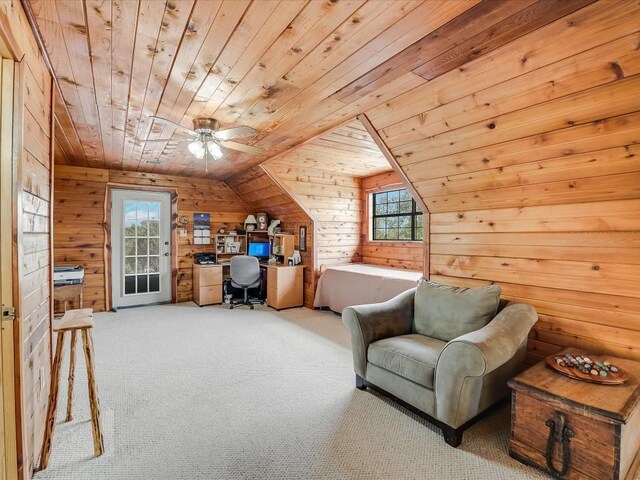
(445, 312)
(410, 356)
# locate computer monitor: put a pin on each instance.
(259, 249)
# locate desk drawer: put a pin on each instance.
(210, 276)
(208, 295)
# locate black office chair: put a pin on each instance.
(245, 274)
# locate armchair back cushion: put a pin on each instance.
(445, 312)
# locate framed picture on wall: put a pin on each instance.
(303, 238)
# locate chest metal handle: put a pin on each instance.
(559, 433)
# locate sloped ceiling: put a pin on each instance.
(290, 69)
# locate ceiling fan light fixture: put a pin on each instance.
(214, 150)
(197, 149)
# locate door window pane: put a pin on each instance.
(142, 228)
(154, 228)
(130, 228)
(142, 283)
(143, 246)
(129, 210)
(129, 265)
(154, 264)
(154, 283)
(129, 246)
(129, 284)
(154, 246)
(154, 210)
(142, 265)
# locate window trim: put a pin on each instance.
(373, 216)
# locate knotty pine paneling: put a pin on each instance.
(333, 199)
(409, 255)
(79, 216)
(273, 65)
(324, 176)
(263, 194)
(32, 330)
(527, 158)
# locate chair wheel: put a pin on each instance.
(251, 307)
(231, 307)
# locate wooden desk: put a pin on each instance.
(601, 422)
(66, 294)
(284, 284)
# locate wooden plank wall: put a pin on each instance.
(33, 116)
(332, 198)
(324, 176)
(264, 194)
(79, 215)
(527, 158)
(409, 255)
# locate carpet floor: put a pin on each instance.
(210, 393)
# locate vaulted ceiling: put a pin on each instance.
(291, 69)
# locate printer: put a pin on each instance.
(204, 258)
(68, 275)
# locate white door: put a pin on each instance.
(141, 247)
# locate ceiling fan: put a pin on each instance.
(207, 138)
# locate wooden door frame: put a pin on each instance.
(173, 192)
(10, 408)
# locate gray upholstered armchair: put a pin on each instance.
(405, 350)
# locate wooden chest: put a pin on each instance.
(590, 431)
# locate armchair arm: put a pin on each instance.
(480, 360)
(368, 323)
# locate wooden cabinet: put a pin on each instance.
(207, 284)
(283, 245)
(592, 429)
(284, 286)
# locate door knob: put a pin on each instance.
(166, 254)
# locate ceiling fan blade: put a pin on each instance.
(166, 140)
(177, 125)
(228, 133)
(241, 147)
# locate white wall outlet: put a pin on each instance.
(183, 233)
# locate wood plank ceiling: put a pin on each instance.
(290, 69)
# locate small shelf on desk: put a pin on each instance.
(223, 243)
